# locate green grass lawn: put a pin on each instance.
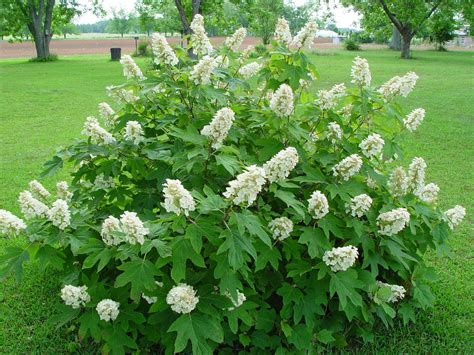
(43, 106)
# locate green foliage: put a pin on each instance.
(143, 50)
(442, 29)
(264, 16)
(294, 301)
(120, 22)
(49, 58)
(351, 44)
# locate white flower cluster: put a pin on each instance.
(31, 207)
(177, 199)
(182, 298)
(102, 182)
(397, 292)
(455, 215)
(202, 71)
(134, 132)
(346, 111)
(280, 166)
(129, 224)
(200, 41)
(372, 146)
(392, 222)
(371, 183)
(218, 128)
(130, 68)
(398, 182)
(305, 36)
(75, 296)
(327, 99)
(109, 227)
(310, 144)
(108, 310)
(62, 190)
(107, 114)
(348, 167)
(249, 70)
(38, 189)
(124, 95)
(341, 259)
(245, 188)
(334, 133)
(233, 42)
(360, 72)
(97, 134)
(133, 228)
(10, 224)
(281, 228)
(318, 205)
(222, 61)
(245, 54)
(416, 174)
(359, 205)
(414, 119)
(152, 299)
(59, 214)
(399, 86)
(282, 101)
(237, 303)
(164, 54)
(282, 31)
(428, 193)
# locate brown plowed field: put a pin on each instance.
(102, 46)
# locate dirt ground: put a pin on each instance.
(102, 46)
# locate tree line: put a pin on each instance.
(40, 19)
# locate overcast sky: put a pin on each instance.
(342, 16)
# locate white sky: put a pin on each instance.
(342, 16)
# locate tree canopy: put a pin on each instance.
(411, 18)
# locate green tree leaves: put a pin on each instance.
(198, 329)
(345, 285)
(140, 274)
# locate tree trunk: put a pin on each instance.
(196, 9)
(396, 41)
(406, 42)
(39, 25)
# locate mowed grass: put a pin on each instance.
(43, 106)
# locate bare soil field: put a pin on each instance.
(102, 46)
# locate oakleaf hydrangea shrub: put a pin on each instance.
(221, 203)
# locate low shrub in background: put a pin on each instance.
(49, 58)
(351, 44)
(143, 49)
(224, 206)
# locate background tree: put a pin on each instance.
(297, 16)
(264, 15)
(147, 16)
(441, 29)
(98, 27)
(41, 17)
(66, 29)
(120, 22)
(410, 17)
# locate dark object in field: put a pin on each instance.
(115, 53)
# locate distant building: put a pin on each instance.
(462, 39)
(334, 36)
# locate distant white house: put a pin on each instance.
(336, 37)
(462, 39)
